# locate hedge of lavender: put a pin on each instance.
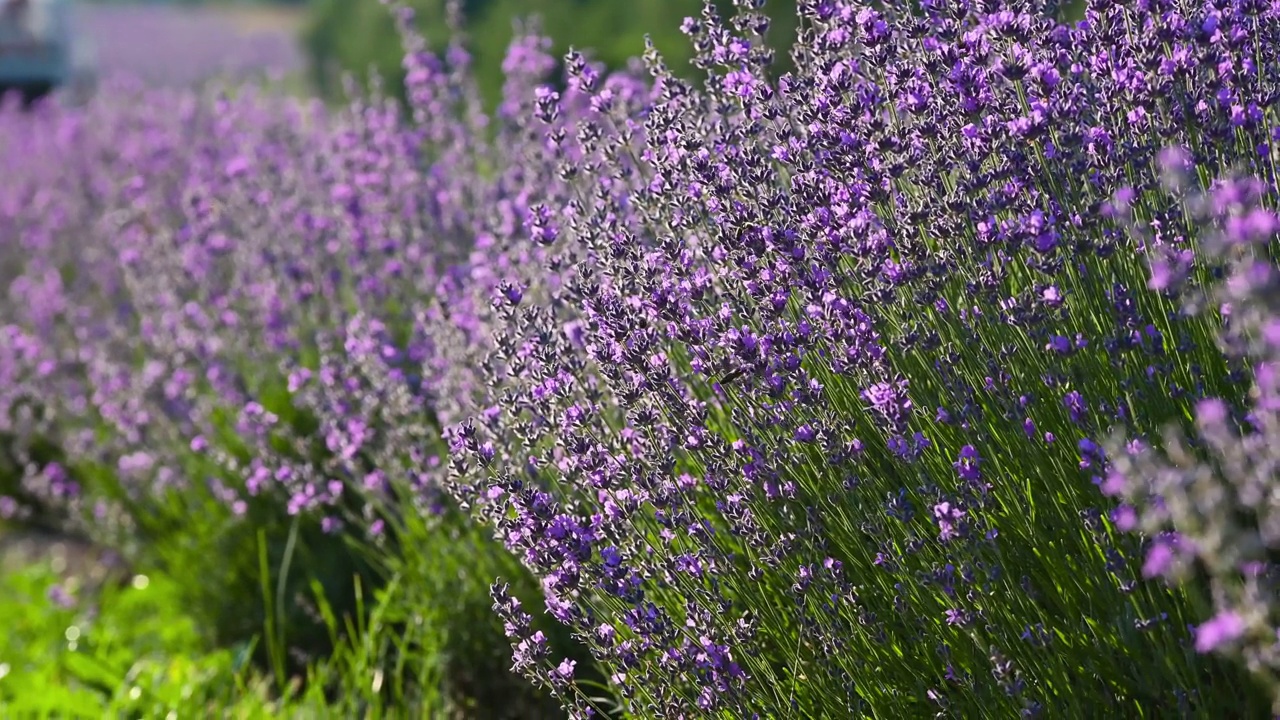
(937, 378)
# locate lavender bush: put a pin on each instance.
(214, 325)
(805, 411)
(934, 378)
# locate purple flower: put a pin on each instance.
(948, 517)
(60, 597)
(1160, 560)
(890, 400)
(967, 464)
(1257, 225)
(1223, 629)
(1076, 406)
(564, 671)
(1059, 344)
(1211, 413)
(1125, 518)
(1052, 296)
(1163, 275)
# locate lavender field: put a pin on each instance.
(939, 378)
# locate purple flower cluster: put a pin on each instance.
(223, 294)
(795, 393)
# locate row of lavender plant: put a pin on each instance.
(799, 395)
(216, 353)
(806, 411)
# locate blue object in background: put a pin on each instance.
(35, 46)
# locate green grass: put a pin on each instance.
(419, 640)
(126, 651)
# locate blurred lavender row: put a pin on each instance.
(174, 46)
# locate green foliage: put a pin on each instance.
(364, 626)
(423, 645)
(358, 35)
(431, 645)
(127, 651)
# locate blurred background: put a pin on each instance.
(309, 44)
(178, 43)
(354, 34)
